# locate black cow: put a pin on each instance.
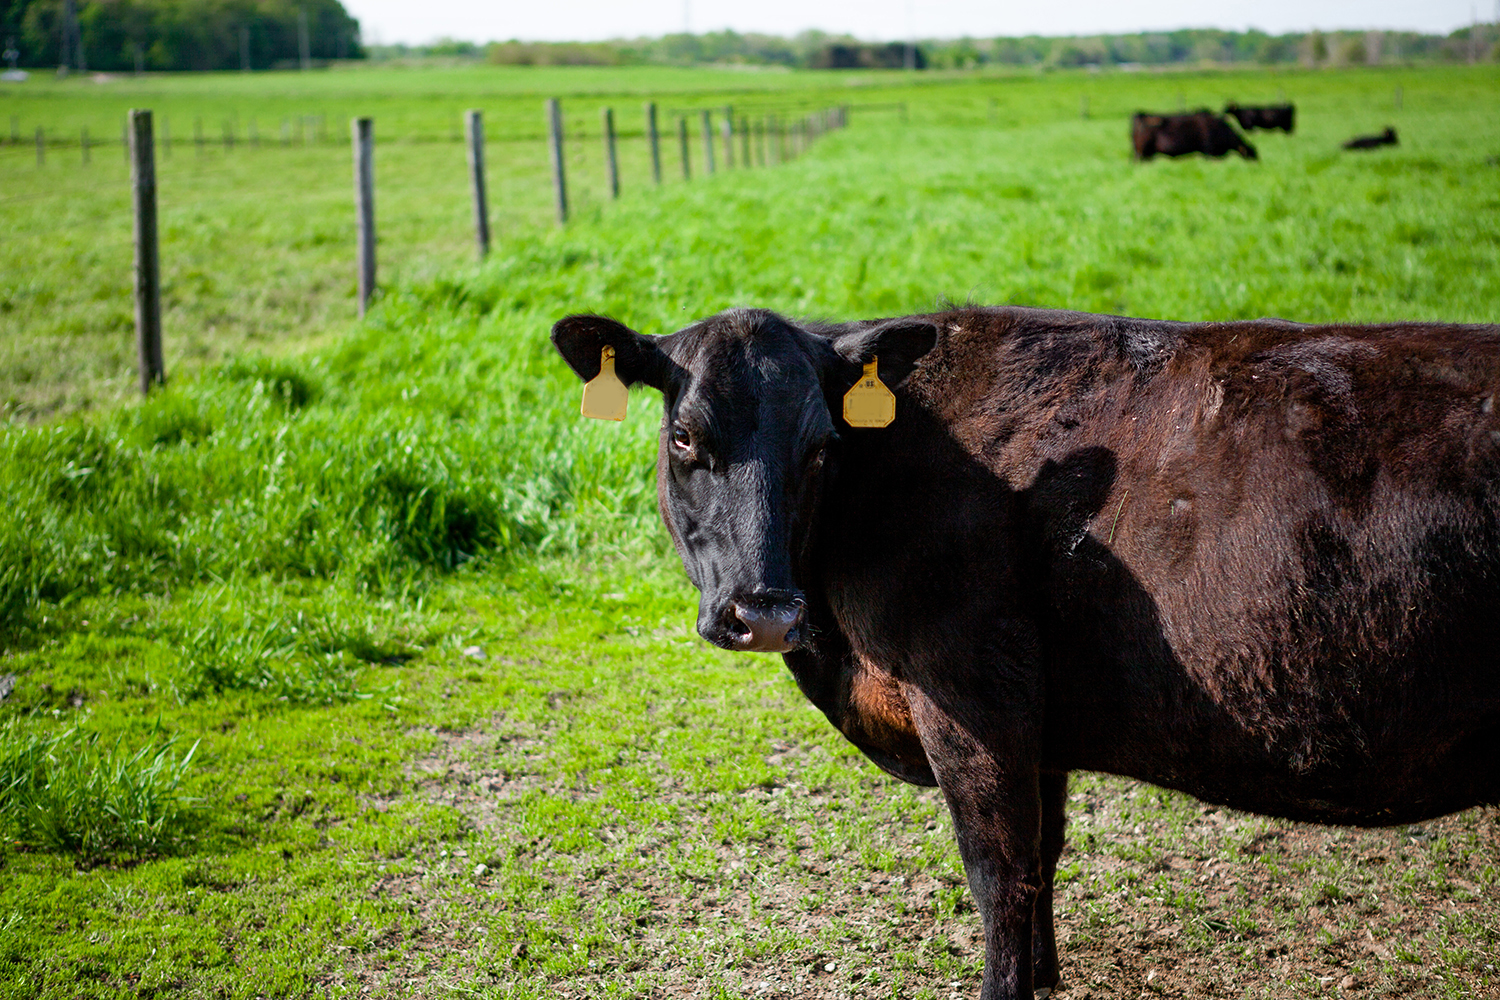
(1258, 562)
(1386, 138)
(1201, 131)
(1282, 116)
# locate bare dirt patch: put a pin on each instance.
(804, 891)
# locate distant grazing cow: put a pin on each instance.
(1201, 131)
(1386, 138)
(1258, 562)
(1282, 116)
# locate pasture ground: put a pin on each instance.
(451, 732)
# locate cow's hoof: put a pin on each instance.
(1042, 992)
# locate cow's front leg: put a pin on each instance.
(1054, 788)
(985, 760)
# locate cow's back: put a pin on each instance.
(1264, 558)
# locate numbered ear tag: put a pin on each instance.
(869, 403)
(604, 395)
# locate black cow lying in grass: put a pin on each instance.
(1386, 138)
(1257, 562)
(1271, 116)
(1201, 131)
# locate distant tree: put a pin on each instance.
(185, 34)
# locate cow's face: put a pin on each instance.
(749, 441)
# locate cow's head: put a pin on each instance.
(750, 438)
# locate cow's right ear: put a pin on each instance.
(581, 339)
(898, 343)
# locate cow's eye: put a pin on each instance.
(682, 439)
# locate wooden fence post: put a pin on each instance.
(362, 131)
(745, 141)
(15, 130)
(727, 130)
(125, 138)
(555, 145)
(682, 140)
(655, 139)
(41, 146)
(708, 141)
(83, 145)
(147, 261)
(474, 132)
(611, 165)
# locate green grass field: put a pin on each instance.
(355, 663)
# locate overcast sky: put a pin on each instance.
(389, 21)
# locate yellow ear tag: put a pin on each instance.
(604, 395)
(869, 403)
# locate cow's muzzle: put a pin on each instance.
(763, 623)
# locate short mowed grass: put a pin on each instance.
(356, 663)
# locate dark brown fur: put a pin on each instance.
(1258, 562)
(1271, 116)
(1384, 138)
(1199, 131)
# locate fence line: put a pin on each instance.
(139, 139)
(312, 131)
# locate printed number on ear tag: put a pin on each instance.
(604, 395)
(869, 403)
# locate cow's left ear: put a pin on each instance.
(580, 340)
(898, 343)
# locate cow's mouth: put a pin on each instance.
(760, 626)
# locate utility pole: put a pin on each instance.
(244, 49)
(911, 40)
(304, 46)
(71, 43)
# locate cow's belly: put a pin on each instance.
(1346, 797)
(1313, 767)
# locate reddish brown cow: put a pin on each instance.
(1257, 562)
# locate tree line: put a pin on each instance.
(128, 35)
(819, 50)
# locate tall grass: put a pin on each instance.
(71, 792)
(371, 467)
